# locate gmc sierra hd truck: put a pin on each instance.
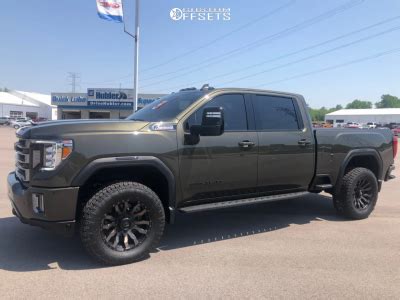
(118, 182)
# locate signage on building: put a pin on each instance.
(115, 98)
(102, 98)
(110, 94)
(69, 99)
(110, 104)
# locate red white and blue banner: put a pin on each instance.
(110, 10)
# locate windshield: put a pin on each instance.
(166, 108)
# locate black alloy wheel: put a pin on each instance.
(126, 225)
(122, 223)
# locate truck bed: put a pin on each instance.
(335, 147)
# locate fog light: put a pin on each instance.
(38, 203)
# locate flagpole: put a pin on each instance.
(136, 59)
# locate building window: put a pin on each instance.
(16, 114)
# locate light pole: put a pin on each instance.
(136, 63)
(136, 56)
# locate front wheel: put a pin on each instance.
(357, 194)
(122, 223)
(16, 126)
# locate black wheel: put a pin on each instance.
(122, 223)
(16, 126)
(357, 194)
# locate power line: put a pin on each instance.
(73, 79)
(374, 56)
(218, 39)
(283, 33)
(205, 45)
(317, 54)
(291, 53)
(222, 57)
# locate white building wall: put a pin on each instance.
(6, 108)
(362, 119)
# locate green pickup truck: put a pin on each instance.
(118, 182)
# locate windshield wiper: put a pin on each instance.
(137, 120)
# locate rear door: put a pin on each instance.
(286, 145)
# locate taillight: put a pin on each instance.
(395, 144)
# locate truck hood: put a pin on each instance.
(54, 129)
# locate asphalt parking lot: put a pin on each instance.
(291, 249)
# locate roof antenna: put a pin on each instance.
(206, 87)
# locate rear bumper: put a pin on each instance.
(59, 205)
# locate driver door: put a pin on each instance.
(223, 167)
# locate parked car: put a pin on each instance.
(120, 182)
(4, 121)
(20, 123)
(22, 119)
(353, 125)
(372, 125)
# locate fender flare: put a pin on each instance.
(357, 153)
(126, 161)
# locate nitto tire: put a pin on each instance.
(122, 223)
(357, 195)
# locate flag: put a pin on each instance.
(110, 10)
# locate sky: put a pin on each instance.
(332, 52)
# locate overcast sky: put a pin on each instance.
(42, 41)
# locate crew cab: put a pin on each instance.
(118, 182)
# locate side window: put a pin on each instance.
(275, 113)
(234, 112)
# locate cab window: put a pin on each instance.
(234, 112)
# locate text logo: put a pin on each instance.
(200, 14)
(176, 14)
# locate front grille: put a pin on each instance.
(22, 157)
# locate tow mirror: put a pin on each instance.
(212, 123)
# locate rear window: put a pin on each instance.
(275, 113)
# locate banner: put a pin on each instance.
(110, 10)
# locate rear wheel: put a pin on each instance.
(357, 194)
(122, 223)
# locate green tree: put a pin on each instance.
(359, 104)
(388, 101)
(318, 114)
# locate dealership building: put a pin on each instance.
(363, 116)
(99, 103)
(18, 104)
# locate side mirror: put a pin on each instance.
(212, 123)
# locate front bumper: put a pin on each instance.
(59, 206)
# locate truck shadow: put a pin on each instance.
(25, 248)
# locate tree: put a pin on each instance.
(388, 101)
(318, 114)
(359, 104)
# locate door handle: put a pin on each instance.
(304, 142)
(246, 144)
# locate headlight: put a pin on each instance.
(54, 153)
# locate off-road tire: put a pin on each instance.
(101, 203)
(344, 200)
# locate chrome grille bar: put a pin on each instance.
(22, 157)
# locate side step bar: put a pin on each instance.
(233, 203)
